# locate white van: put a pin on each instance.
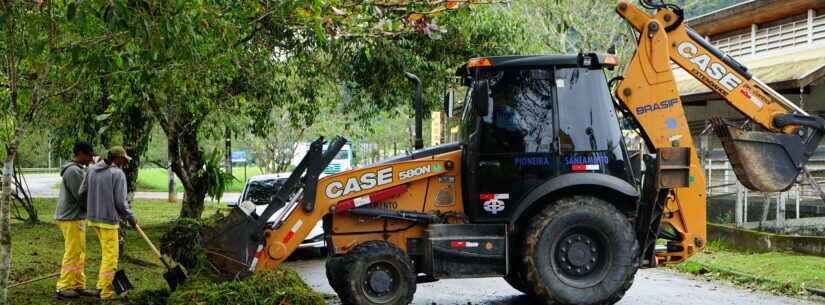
(343, 161)
(260, 189)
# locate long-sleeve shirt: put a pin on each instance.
(105, 189)
(69, 201)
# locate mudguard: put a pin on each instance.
(573, 179)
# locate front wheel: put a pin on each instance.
(580, 250)
(375, 272)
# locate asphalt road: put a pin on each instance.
(42, 186)
(651, 287)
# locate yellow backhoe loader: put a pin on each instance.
(541, 188)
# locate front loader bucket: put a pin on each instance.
(762, 161)
(232, 244)
(235, 245)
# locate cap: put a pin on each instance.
(118, 151)
(85, 147)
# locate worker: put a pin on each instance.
(70, 215)
(105, 189)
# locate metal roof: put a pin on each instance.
(790, 70)
(743, 14)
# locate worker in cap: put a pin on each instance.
(70, 216)
(105, 189)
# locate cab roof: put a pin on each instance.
(592, 60)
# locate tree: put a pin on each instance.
(32, 78)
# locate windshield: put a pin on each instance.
(261, 191)
(342, 155)
(591, 126)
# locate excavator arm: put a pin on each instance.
(763, 161)
(245, 242)
(349, 192)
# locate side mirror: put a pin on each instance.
(481, 97)
(448, 103)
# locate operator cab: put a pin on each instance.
(528, 120)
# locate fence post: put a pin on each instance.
(765, 208)
(798, 188)
(708, 161)
(739, 206)
(780, 211)
(745, 204)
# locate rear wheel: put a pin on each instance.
(580, 250)
(375, 272)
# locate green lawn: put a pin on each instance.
(37, 249)
(782, 271)
(157, 180)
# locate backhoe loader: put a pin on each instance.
(541, 189)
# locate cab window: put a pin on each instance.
(522, 113)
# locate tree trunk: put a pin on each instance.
(193, 204)
(10, 68)
(186, 160)
(5, 217)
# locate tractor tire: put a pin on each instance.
(580, 250)
(517, 277)
(335, 267)
(518, 280)
(374, 273)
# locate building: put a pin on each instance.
(782, 42)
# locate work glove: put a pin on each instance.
(132, 221)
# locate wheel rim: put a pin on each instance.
(381, 282)
(582, 257)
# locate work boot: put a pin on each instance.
(88, 293)
(67, 294)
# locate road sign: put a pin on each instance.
(238, 156)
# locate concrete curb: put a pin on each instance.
(760, 242)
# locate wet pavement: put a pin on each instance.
(651, 287)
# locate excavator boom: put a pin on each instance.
(764, 161)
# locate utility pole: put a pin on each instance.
(173, 187)
(228, 161)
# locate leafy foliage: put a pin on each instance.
(213, 176)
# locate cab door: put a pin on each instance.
(513, 147)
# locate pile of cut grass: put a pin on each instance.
(204, 286)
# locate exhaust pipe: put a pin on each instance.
(418, 105)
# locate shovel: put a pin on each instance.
(121, 283)
(173, 276)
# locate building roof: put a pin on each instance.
(744, 14)
(791, 70)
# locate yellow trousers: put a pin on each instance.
(74, 255)
(108, 265)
